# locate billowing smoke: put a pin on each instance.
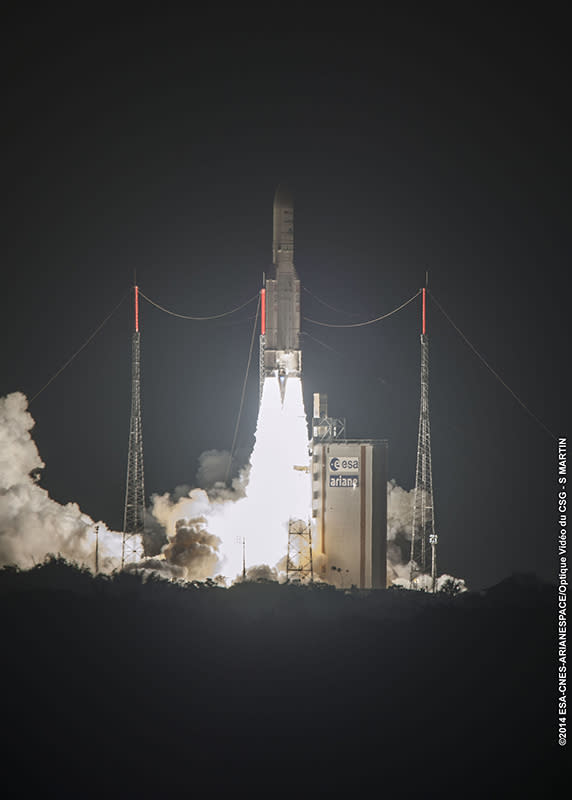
(157, 568)
(399, 524)
(450, 585)
(185, 515)
(399, 529)
(199, 533)
(399, 511)
(193, 548)
(32, 525)
(249, 520)
(261, 573)
(213, 467)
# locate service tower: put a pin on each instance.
(134, 514)
(423, 524)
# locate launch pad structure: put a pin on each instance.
(348, 530)
(134, 513)
(349, 504)
(299, 561)
(346, 536)
(423, 524)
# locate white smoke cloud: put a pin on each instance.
(32, 525)
(213, 467)
(451, 585)
(261, 572)
(186, 516)
(399, 529)
(193, 548)
(424, 583)
(216, 505)
(255, 510)
(157, 567)
(399, 522)
(399, 511)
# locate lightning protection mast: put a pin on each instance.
(262, 339)
(133, 518)
(423, 526)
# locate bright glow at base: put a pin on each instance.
(276, 490)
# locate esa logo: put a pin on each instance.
(337, 464)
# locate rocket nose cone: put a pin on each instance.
(283, 197)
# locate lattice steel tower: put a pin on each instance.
(299, 562)
(133, 518)
(423, 526)
(262, 339)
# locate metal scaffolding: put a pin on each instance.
(133, 518)
(261, 367)
(261, 371)
(325, 428)
(299, 559)
(423, 524)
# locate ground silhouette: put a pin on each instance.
(124, 687)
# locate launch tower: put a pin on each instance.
(299, 562)
(423, 526)
(133, 518)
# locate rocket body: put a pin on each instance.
(282, 353)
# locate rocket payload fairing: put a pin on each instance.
(282, 356)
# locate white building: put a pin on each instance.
(349, 505)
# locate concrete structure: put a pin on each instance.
(349, 511)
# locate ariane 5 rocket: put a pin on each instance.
(280, 353)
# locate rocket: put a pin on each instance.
(281, 355)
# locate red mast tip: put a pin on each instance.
(262, 312)
(136, 309)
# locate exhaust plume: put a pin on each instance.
(193, 548)
(207, 530)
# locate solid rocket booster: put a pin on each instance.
(282, 354)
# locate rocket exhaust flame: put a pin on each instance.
(233, 533)
(257, 507)
(275, 490)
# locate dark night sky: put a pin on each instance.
(435, 147)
